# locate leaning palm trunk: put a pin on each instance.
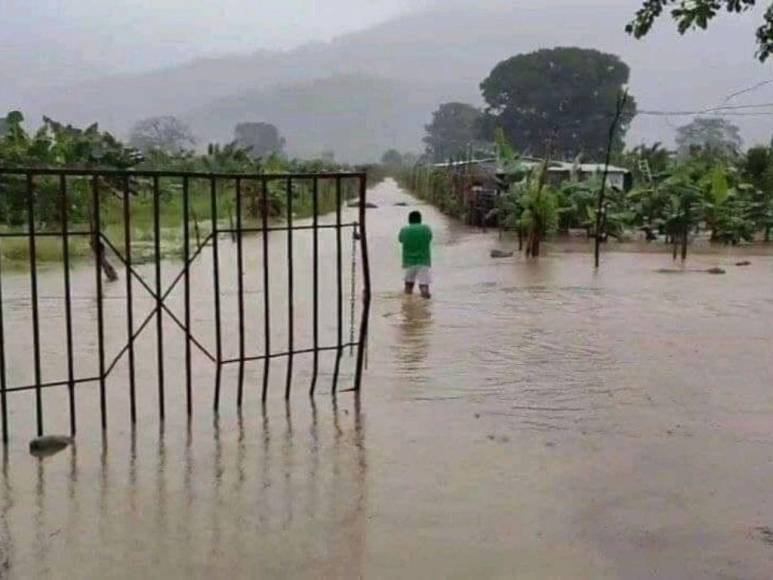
(536, 227)
(99, 255)
(532, 244)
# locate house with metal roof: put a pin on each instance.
(558, 171)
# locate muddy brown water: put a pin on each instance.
(533, 420)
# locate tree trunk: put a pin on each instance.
(621, 101)
(675, 245)
(99, 254)
(532, 243)
(684, 243)
(196, 230)
(767, 233)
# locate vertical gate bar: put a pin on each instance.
(67, 300)
(3, 385)
(362, 344)
(159, 299)
(290, 298)
(339, 287)
(240, 286)
(187, 297)
(127, 239)
(99, 249)
(315, 282)
(266, 287)
(34, 298)
(216, 278)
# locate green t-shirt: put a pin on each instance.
(416, 239)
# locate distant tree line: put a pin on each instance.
(163, 143)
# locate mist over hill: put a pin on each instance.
(371, 90)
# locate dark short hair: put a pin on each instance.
(414, 217)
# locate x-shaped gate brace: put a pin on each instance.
(101, 241)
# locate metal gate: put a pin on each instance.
(47, 201)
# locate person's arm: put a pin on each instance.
(400, 236)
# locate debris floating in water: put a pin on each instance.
(501, 254)
(49, 445)
(714, 270)
(743, 263)
(368, 204)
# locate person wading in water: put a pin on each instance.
(416, 239)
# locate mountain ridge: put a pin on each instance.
(451, 49)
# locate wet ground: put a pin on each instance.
(533, 420)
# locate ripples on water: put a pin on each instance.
(659, 384)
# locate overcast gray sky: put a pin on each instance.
(45, 43)
(137, 34)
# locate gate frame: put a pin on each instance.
(101, 242)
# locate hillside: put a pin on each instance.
(370, 90)
(356, 116)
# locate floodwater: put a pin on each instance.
(533, 420)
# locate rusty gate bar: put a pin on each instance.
(315, 281)
(32, 183)
(339, 287)
(290, 293)
(127, 237)
(159, 300)
(240, 289)
(187, 297)
(67, 302)
(34, 299)
(362, 343)
(3, 385)
(266, 288)
(216, 279)
(99, 250)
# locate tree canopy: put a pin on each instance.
(262, 138)
(453, 128)
(560, 101)
(697, 14)
(166, 133)
(713, 135)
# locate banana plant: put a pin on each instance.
(540, 210)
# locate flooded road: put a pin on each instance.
(533, 420)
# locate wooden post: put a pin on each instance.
(622, 99)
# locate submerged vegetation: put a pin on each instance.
(726, 198)
(57, 145)
(480, 166)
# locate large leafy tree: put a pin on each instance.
(696, 14)
(758, 170)
(559, 100)
(713, 135)
(167, 134)
(263, 139)
(452, 130)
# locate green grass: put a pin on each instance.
(14, 252)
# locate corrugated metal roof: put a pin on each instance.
(532, 162)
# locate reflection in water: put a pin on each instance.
(229, 508)
(536, 418)
(415, 328)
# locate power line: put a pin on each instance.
(754, 87)
(730, 110)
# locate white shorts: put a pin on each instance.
(420, 274)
